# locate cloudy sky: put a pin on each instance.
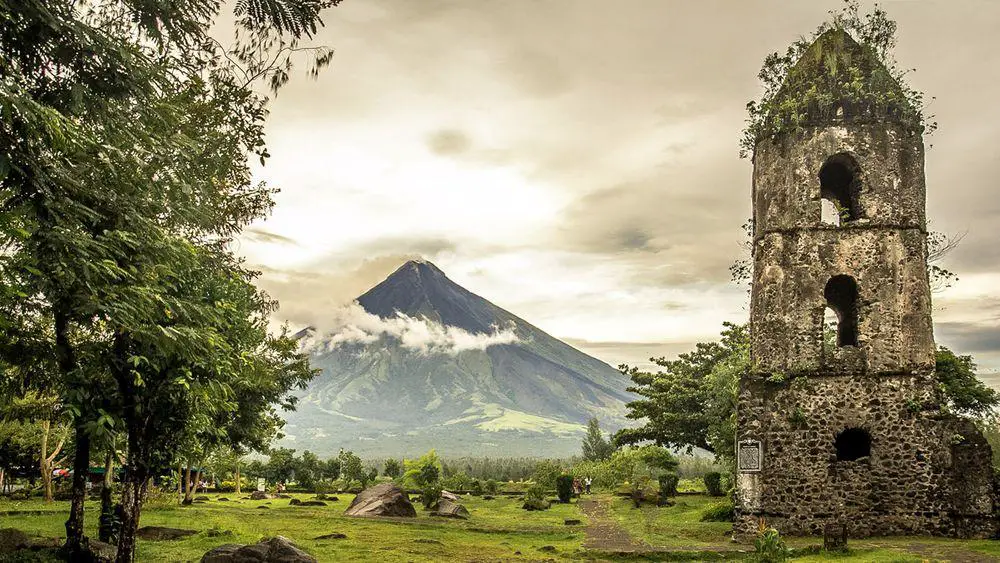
(576, 163)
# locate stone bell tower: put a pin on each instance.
(839, 418)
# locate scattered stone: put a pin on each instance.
(386, 499)
(258, 495)
(294, 502)
(324, 497)
(427, 540)
(199, 501)
(536, 505)
(201, 497)
(549, 548)
(216, 532)
(282, 495)
(311, 503)
(159, 533)
(573, 522)
(449, 495)
(451, 509)
(487, 497)
(517, 553)
(264, 507)
(222, 499)
(333, 536)
(273, 550)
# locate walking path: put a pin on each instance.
(603, 533)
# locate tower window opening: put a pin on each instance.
(840, 189)
(841, 294)
(853, 444)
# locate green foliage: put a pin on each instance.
(534, 498)
(491, 487)
(823, 77)
(713, 484)
(768, 546)
(965, 393)
(476, 487)
(423, 471)
(668, 484)
(392, 468)
(546, 473)
(430, 495)
(691, 403)
(564, 487)
(595, 446)
(627, 464)
(351, 468)
(722, 512)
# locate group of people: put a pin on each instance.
(581, 487)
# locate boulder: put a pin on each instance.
(326, 497)
(159, 533)
(282, 495)
(386, 499)
(258, 495)
(294, 502)
(222, 499)
(449, 495)
(201, 497)
(273, 550)
(536, 504)
(451, 509)
(573, 522)
(312, 503)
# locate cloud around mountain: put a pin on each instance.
(351, 324)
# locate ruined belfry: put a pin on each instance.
(839, 416)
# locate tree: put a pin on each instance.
(392, 468)
(423, 471)
(351, 468)
(331, 468)
(101, 178)
(691, 402)
(280, 465)
(964, 393)
(595, 446)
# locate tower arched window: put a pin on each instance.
(840, 189)
(841, 294)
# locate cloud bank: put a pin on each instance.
(351, 324)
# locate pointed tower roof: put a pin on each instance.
(837, 79)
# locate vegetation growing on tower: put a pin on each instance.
(844, 70)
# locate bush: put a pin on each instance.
(642, 491)
(534, 498)
(323, 487)
(476, 487)
(430, 495)
(668, 485)
(768, 547)
(564, 487)
(722, 512)
(492, 487)
(713, 484)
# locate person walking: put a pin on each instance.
(586, 483)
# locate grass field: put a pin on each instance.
(497, 530)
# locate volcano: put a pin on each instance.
(433, 365)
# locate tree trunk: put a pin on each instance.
(133, 494)
(237, 477)
(2, 483)
(188, 498)
(76, 541)
(180, 481)
(197, 482)
(105, 530)
(43, 462)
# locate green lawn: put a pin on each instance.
(680, 527)
(496, 529)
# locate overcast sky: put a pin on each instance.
(575, 161)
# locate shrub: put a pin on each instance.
(768, 547)
(322, 488)
(668, 484)
(492, 487)
(430, 495)
(476, 487)
(642, 490)
(713, 483)
(722, 512)
(564, 487)
(534, 498)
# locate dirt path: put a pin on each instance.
(603, 533)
